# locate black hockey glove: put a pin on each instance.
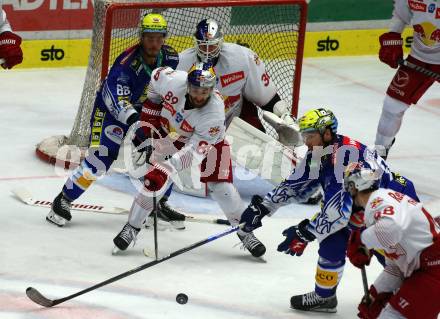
(253, 214)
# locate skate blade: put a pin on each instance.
(324, 310)
(260, 259)
(115, 251)
(56, 223)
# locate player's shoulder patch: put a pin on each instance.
(349, 141)
(170, 53)
(127, 55)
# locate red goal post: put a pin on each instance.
(274, 29)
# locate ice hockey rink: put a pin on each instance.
(221, 280)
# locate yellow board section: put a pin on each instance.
(348, 42)
(55, 53)
(75, 52)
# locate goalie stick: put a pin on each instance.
(26, 197)
(38, 298)
(420, 69)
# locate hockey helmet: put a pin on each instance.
(154, 22)
(362, 176)
(318, 120)
(202, 75)
(208, 40)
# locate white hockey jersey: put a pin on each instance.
(402, 228)
(240, 73)
(424, 16)
(197, 128)
(4, 24)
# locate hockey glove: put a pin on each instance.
(10, 49)
(358, 254)
(297, 238)
(370, 309)
(253, 214)
(391, 48)
(157, 177)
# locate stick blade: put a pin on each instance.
(38, 298)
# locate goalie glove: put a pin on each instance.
(286, 127)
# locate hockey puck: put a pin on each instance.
(182, 299)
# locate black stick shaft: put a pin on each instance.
(420, 69)
(365, 284)
(156, 249)
(55, 302)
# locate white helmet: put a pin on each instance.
(362, 176)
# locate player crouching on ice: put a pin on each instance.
(188, 108)
(328, 154)
(409, 286)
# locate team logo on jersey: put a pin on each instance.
(230, 101)
(417, 6)
(186, 127)
(376, 202)
(114, 133)
(213, 131)
(431, 8)
(228, 79)
(428, 32)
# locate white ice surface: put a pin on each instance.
(221, 281)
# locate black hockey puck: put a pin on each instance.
(182, 299)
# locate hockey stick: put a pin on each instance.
(365, 284)
(26, 197)
(38, 298)
(420, 69)
(155, 225)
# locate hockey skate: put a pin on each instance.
(166, 216)
(313, 302)
(252, 244)
(60, 211)
(125, 237)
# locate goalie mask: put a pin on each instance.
(201, 82)
(208, 40)
(360, 176)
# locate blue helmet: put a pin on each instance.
(208, 40)
(202, 75)
(362, 176)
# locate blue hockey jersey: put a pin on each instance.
(125, 88)
(326, 169)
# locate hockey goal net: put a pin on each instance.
(274, 29)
